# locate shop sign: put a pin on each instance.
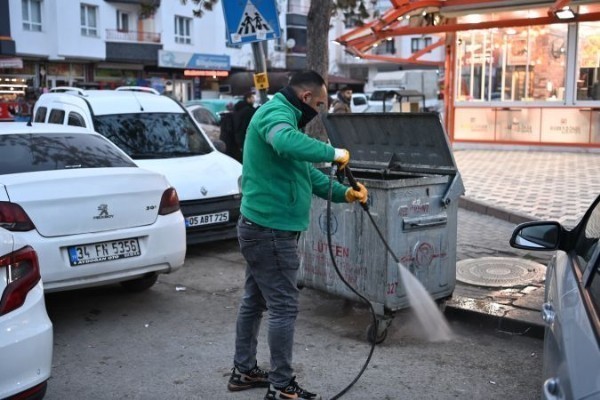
(518, 125)
(565, 125)
(11, 63)
(178, 59)
(474, 124)
(196, 72)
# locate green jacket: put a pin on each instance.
(278, 177)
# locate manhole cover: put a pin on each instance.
(499, 271)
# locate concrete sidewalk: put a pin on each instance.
(518, 186)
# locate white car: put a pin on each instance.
(25, 329)
(92, 215)
(159, 134)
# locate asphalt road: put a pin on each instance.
(175, 341)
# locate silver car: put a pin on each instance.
(571, 309)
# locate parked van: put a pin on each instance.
(159, 134)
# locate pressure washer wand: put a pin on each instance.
(354, 185)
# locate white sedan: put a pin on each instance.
(92, 215)
(25, 329)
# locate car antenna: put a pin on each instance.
(136, 99)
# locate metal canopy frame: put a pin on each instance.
(390, 24)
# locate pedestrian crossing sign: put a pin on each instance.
(251, 20)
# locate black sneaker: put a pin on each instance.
(254, 378)
(290, 392)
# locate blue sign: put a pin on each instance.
(178, 59)
(251, 20)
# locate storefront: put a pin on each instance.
(524, 72)
(193, 75)
(16, 89)
(528, 85)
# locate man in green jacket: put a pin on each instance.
(278, 181)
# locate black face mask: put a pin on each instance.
(308, 113)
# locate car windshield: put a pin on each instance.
(153, 135)
(51, 151)
(380, 94)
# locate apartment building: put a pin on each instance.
(109, 43)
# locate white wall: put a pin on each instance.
(61, 32)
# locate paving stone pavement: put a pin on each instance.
(554, 185)
(503, 188)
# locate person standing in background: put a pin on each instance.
(242, 114)
(342, 102)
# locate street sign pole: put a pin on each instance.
(260, 66)
(253, 21)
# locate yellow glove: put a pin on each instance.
(360, 195)
(342, 157)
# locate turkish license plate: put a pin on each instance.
(207, 219)
(103, 251)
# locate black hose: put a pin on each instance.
(363, 298)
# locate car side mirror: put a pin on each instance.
(536, 236)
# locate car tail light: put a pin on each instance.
(14, 218)
(22, 274)
(169, 202)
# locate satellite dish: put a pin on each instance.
(290, 43)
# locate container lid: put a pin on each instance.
(408, 142)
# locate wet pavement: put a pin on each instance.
(504, 188)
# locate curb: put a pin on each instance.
(502, 324)
(494, 211)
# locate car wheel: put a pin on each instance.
(140, 284)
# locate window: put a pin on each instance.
(183, 30)
(56, 117)
(40, 115)
(89, 26)
(359, 101)
(594, 288)
(417, 44)
(385, 47)
(160, 135)
(298, 38)
(512, 64)
(588, 239)
(32, 15)
(588, 63)
(76, 119)
(52, 151)
(122, 21)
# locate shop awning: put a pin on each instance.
(420, 17)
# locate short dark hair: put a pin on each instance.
(247, 95)
(306, 78)
(344, 88)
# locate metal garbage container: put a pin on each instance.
(406, 162)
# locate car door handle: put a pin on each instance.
(551, 389)
(548, 313)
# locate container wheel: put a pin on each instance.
(375, 334)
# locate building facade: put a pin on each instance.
(108, 43)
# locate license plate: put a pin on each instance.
(103, 251)
(207, 219)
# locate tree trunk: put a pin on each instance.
(317, 53)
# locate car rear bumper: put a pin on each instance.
(26, 340)
(162, 244)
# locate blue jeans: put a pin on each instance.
(271, 274)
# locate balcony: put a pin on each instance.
(113, 35)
